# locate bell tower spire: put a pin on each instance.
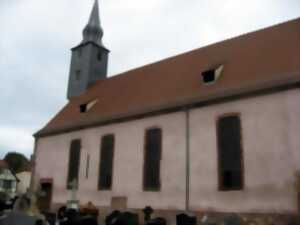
(90, 58)
(93, 31)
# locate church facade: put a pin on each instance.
(211, 130)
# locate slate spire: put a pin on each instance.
(89, 59)
(93, 31)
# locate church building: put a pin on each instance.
(214, 130)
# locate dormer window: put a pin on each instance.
(87, 106)
(212, 75)
(83, 108)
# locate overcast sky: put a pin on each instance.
(36, 35)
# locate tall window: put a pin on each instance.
(74, 161)
(106, 162)
(230, 153)
(152, 157)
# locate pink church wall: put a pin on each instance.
(270, 130)
(52, 152)
(269, 170)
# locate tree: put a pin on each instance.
(17, 162)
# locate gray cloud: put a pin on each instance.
(36, 37)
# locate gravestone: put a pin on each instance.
(125, 218)
(111, 218)
(208, 221)
(89, 209)
(147, 213)
(184, 219)
(87, 220)
(72, 214)
(157, 221)
(39, 222)
(61, 213)
(16, 218)
(232, 220)
(73, 217)
(50, 217)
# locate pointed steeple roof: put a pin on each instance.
(94, 17)
(93, 31)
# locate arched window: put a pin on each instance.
(106, 162)
(74, 161)
(152, 157)
(230, 153)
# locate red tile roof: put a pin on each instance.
(259, 60)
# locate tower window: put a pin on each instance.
(212, 75)
(74, 160)
(79, 52)
(230, 153)
(99, 56)
(106, 162)
(152, 158)
(77, 75)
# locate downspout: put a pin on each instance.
(187, 158)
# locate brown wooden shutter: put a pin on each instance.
(74, 161)
(153, 142)
(230, 153)
(106, 162)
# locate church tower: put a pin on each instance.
(89, 59)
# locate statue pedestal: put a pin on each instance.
(73, 204)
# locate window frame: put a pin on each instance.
(217, 73)
(99, 187)
(69, 161)
(152, 189)
(6, 186)
(99, 56)
(221, 186)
